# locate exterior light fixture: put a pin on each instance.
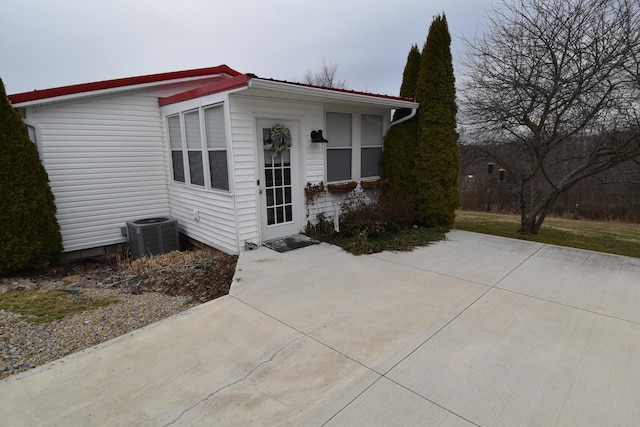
(490, 167)
(316, 136)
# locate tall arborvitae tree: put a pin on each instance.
(409, 79)
(436, 156)
(400, 141)
(29, 231)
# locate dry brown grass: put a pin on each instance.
(155, 264)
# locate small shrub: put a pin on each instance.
(370, 224)
(361, 216)
(375, 214)
(323, 227)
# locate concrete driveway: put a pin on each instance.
(477, 330)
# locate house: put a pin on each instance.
(226, 154)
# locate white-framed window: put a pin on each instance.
(370, 145)
(355, 144)
(194, 147)
(216, 147)
(193, 161)
(175, 141)
(339, 147)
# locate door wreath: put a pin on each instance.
(277, 140)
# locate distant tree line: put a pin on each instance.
(613, 194)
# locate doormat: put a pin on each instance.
(289, 243)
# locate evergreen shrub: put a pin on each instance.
(29, 231)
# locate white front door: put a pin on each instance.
(279, 184)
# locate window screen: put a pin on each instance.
(194, 147)
(370, 145)
(175, 141)
(217, 147)
(206, 147)
(339, 134)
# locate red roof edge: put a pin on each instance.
(35, 95)
(236, 82)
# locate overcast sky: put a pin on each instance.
(50, 43)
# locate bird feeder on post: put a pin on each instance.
(490, 166)
(501, 172)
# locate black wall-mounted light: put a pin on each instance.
(316, 136)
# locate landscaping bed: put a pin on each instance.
(45, 315)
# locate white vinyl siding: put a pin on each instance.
(243, 111)
(205, 215)
(106, 165)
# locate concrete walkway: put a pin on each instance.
(477, 330)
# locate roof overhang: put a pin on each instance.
(65, 93)
(250, 85)
(237, 82)
(214, 80)
(301, 92)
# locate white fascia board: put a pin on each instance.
(331, 95)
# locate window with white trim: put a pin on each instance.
(194, 147)
(339, 147)
(175, 138)
(194, 161)
(370, 145)
(355, 145)
(217, 147)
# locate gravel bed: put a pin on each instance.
(25, 345)
(147, 290)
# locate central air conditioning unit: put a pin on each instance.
(152, 236)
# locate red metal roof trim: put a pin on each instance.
(209, 89)
(116, 83)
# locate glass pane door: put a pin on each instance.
(279, 201)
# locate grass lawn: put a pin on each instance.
(611, 237)
(44, 306)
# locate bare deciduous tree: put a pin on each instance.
(558, 81)
(326, 77)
